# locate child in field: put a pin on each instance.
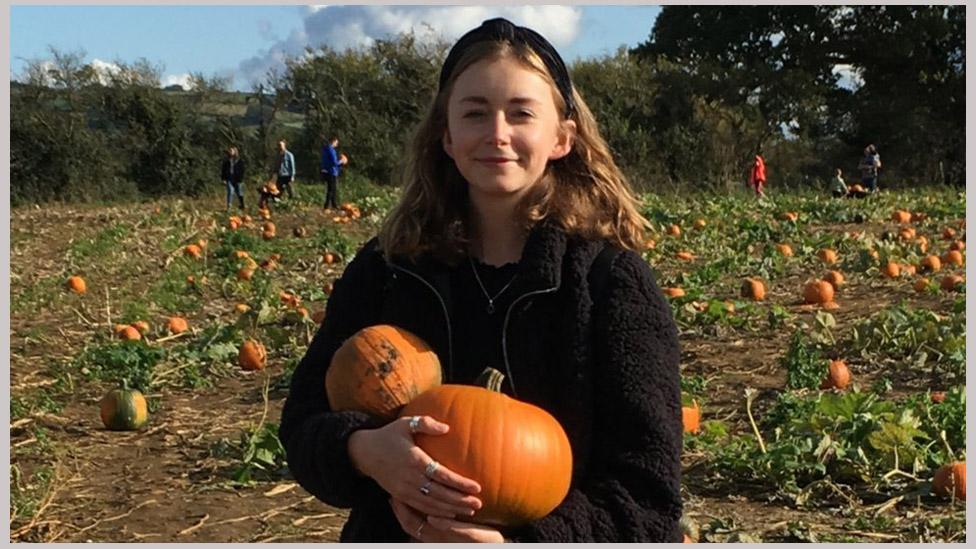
(838, 188)
(757, 176)
(511, 210)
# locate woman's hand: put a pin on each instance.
(434, 529)
(407, 473)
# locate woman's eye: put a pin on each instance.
(473, 114)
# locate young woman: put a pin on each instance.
(510, 195)
(232, 174)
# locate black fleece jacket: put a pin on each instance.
(611, 367)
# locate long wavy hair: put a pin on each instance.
(584, 192)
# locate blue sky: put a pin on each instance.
(244, 41)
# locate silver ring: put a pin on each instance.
(414, 424)
(431, 469)
(425, 489)
(419, 529)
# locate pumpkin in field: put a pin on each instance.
(818, 292)
(674, 292)
(828, 256)
(907, 234)
(930, 264)
(951, 282)
(949, 233)
(177, 325)
(124, 410)
(674, 230)
(242, 308)
(699, 224)
(753, 289)
(685, 256)
(649, 244)
(838, 376)
(921, 285)
(957, 245)
(785, 250)
(192, 250)
(76, 284)
(834, 278)
(141, 325)
(379, 369)
(129, 333)
(328, 258)
(252, 355)
(245, 273)
(691, 417)
(953, 257)
(267, 235)
(790, 216)
(901, 216)
(891, 270)
(908, 269)
(951, 479)
(517, 452)
(234, 222)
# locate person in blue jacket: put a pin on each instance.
(330, 168)
(286, 168)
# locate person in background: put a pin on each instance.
(870, 165)
(232, 174)
(286, 168)
(330, 168)
(757, 177)
(838, 187)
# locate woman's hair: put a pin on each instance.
(584, 192)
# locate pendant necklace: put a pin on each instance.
(491, 300)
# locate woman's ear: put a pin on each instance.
(564, 143)
(446, 143)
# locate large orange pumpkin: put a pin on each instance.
(517, 452)
(753, 289)
(379, 369)
(931, 263)
(838, 375)
(77, 285)
(951, 477)
(818, 291)
(252, 355)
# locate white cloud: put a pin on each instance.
(104, 69)
(341, 27)
(181, 79)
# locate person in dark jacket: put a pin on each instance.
(330, 167)
(232, 174)
(510, 196)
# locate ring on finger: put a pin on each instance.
(431, 469)
(425, 489)
(414, 424)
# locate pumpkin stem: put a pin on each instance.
(490, 379)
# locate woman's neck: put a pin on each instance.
(498, 238)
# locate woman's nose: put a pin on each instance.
(499, 130)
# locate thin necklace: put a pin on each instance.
(491, 300)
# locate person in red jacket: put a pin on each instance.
(757, 177)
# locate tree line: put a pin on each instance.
(808, 87)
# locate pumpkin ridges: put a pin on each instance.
(123, 410)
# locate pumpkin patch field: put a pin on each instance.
(823, 364)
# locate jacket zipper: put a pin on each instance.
(508, 369)
(447, 318)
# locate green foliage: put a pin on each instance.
(805, 365)
(122, 362)
(260, 452)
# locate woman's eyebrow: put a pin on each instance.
(484, 101)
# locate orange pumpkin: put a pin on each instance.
(891, 270)
(379, 369)
(901, 216)
(908, 269)
(242, 308)
(674, 292)
(951, 282)
(828, 256)
(517, 452)
(700, 224)
(178, 325)
(192, 250)
(907, 234)
(789, 216)
(785, 250)
(949, 233)
(252, 355)
(245, 274)
(674, 230)
(958, 246)
(685, 256)
(77, 284)
(691, 417)
(951, 478)
(129, 333)
(141, 325)
(328, 258)
(834, 278)
(921, 285)
(838, 376)
(818, 291)
(267, 235)
(649, 244)
(953, 257)
(923, 244)
(753, 289)
(931, 264)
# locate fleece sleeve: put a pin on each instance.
(631, 489)
(315, 437)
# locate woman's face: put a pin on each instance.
(503, 127)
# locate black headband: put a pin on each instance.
(500, 29)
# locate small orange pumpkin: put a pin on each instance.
(951, 478)
(141, 325)
(192, 250)
(921, 284)
(178, 325)
(951, 283)
(818, 291)
(838, 375)
(930, 264)
(691, 417)
(828, 256)
(699, 224)
(245, 274)
(949, 233)
(901, 216)
(674, 292)
(76, 284)
(785, 250)
(891, 270)
(252, 355)
(674, 230)
(834, 278)
(685, 256)
(790, 216)
(129, 333)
